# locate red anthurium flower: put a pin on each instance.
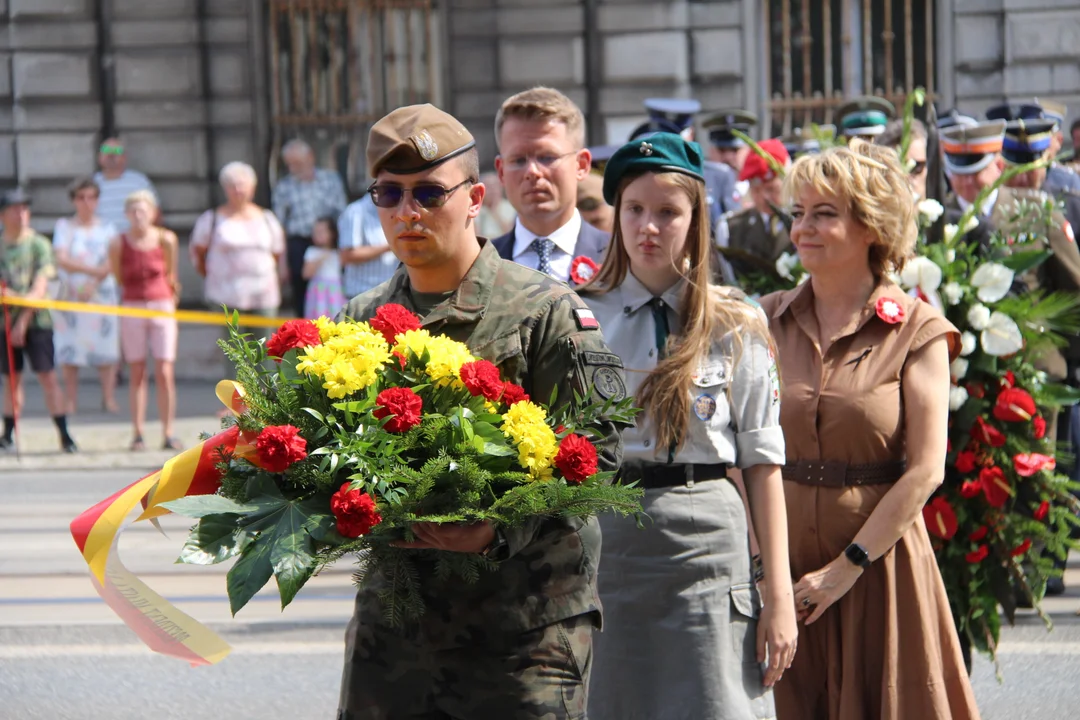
(279, 446)
(393, 319)
(976, 389)
(977, 555)
(889, 310)
(355, 512)
(970, 489)
(1042, 511)
(940, 518)
(1021, 548)
(986, 433)
(1038, 427)
(403, 404)
(1029, 464)
(292, 334)
(513, 394)
(995, 486)
(576, 459)
(965, 461)
(979, 534)
(1014, 405)
(1008, 380)
(482, 378)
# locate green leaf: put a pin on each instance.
(1025, 260)
(214, 539)
(498, 450)
(1060, 395)
(198, 506)
(356, 406)
(291, 553)
(250, 573)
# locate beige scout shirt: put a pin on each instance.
(735, 406)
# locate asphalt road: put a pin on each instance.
(64, 656)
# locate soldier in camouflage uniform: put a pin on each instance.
(517, 643)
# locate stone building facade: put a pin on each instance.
(192, 84)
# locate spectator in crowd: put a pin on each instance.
(306, 194)
(322, 270)
(143, 261)
(81, 245)
(26, 266)
(116, 182)
(591, 204)
(497, 214)
(916, 152)
(365, 254)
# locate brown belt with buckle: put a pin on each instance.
(653, 476)
(833, 473)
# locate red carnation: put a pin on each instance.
(979, 534)
(401, 359)
(965, 461)
(1021, 548)
(392, 320)
(403, 405)
(940, 518)
(292, 334)
(279, 446)
(1042, 511)
(1038, 427)
(1008, 380)
(1029, 464)
(1014, 405)
(970, 489)
(976, 389)
(482, 378)
(513, 394)
(995, 486)
(986, 433)
(576, 459)
(355, 512)
(978, 555)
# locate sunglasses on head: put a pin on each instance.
(917, 168)
(112, 149)
(426, 195)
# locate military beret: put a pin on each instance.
(721, 124)
(756, 167)
(415, 138)
(866, 115)
(662, 152)
(1026, 140)
(970, 148)
(14, 196)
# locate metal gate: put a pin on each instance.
(817, 52)
(336, 66)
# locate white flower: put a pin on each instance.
(802, 278)
(785, 264)
(953, 293)
(972, 223)
(930, 210)
(958, 369)
(993, 281)
(978, 316)
(950, 255)
(1002, 336)
(923, 273)
(1040, 376)
(957, 397)
(968, 344)
(949, 234)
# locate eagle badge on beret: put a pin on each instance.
(426, 145)
(646, 149)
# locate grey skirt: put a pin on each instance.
(679, 640)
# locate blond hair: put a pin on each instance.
(543, 104)
(707, 312)
(869, 179)
(140, 196)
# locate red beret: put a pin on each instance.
(757, 168)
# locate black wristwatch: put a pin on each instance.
(494, 551)
(857, 554)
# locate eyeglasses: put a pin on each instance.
(546, 161)
(917, 167)
(112, 149)
(427, 196)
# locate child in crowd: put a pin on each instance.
(322, 270)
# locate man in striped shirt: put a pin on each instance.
(117, 182)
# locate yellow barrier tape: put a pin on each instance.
(182, 316)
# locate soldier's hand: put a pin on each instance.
(453, 537)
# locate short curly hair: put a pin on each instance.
(869, 179)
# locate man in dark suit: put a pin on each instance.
(542, 158)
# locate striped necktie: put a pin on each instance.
(543, 247)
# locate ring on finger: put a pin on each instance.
(806, 602)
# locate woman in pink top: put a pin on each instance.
(144, 263)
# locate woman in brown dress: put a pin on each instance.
(865, 378)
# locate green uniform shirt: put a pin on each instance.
(541, 336)
(21, 264)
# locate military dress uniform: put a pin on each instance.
(680, 606)
(516, 643)
(721, 127)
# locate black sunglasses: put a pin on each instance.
(427, 195)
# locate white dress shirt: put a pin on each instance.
(565, 240)
(988, 204)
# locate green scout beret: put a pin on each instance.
(415, 138)
(662, 152)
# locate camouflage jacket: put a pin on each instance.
(529, 326)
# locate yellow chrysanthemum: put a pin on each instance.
(412, 341)
(350, 359)
(327, 327)
(445, 356)
(524, 423)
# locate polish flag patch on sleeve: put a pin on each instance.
(585, 319)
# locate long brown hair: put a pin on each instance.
(707, 312)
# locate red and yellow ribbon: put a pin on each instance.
(164, 628)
